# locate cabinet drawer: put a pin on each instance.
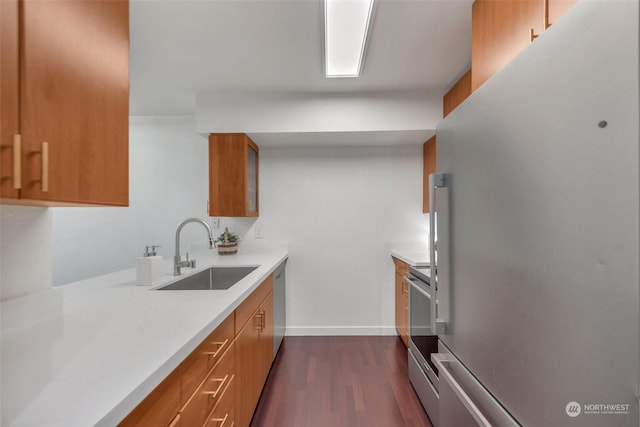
(245, 311)
(160, 407)
(210, 391)
(223, 413)
(199, 363)
(401, 266)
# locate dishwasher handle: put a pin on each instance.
(485, 410)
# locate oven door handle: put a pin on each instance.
(417, 283)
(427, 292)
(424, 290)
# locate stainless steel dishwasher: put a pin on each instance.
(279, 307)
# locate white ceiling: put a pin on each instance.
(180, 48)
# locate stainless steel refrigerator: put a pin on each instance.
(538, 232)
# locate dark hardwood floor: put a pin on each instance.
(340, 382)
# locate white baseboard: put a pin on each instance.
(339, 330)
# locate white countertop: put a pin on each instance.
(101, 345)
(415, 257)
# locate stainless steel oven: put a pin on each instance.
(423, 341)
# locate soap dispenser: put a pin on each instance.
(149, 266)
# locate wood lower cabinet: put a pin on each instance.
(266, 334)
(196, 366)
(220, 382)
(233, 175)
(160, 407)
(428, 167)
(65, 102)
(210, 391)
(402, 300)
(254, 358)
(223, 414)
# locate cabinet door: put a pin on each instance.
(252, 179)
(248, 369)
(405, 313)
(399, 304)
(266, 335)
(233, 175)
(402, 308)
(428, 167)
(557, 8)
(9, 101)
(457, 94)
(500, 31)
(75, 101)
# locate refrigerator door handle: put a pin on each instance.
(447, 364)
(439, 305)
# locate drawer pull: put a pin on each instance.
(263, 323)
(222, 421)
(259, 325)
(221, 345)
(17, 162)
(45, 167)
(223, 381)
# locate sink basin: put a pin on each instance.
(214, 278)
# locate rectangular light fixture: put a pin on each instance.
(346, 23)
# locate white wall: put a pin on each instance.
(339, 209)
(317, 112)
(168, 177)
(25, 250)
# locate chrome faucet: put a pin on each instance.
(177, 259)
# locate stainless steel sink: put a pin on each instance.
(214, 278)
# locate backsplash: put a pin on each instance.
(25, 245)
(168, 182)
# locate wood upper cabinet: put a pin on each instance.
(458, 93)
(501, 29)
(428, 167)
(233, 175)
(9, 100)
(557, 8)
(72, 95)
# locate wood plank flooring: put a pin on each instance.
(340, 382)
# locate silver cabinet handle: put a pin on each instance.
(438, 304)
(501, 417)
(442, 363)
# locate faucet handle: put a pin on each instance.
(191, 263)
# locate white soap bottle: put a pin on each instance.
(148, 267)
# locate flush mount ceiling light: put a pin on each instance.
(346, 23)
